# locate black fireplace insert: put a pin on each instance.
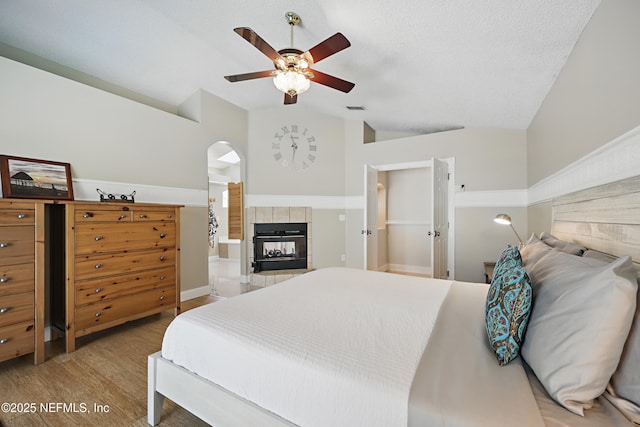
(279, 246)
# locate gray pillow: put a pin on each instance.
(590, 253)
(532, 250)
(561, 245)
(626, 379)
(582, 313)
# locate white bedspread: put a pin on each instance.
(322, 349)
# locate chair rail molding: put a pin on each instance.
(85, 189)
(614, 161)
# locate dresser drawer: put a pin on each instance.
(92, 213)
(16, 340)
(97, 314)
(17, 216)
(15, 279)
(17, 245)
(93, 266)
(143, 215)
(100, 238)
(97, 290)
(16, 308)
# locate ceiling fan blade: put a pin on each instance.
(252, 37)
(288, 99)
(250, 76)
(331, 81)
(333, 44)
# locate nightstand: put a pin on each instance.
(488, 271)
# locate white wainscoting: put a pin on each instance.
(614, 161)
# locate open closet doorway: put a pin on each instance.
(409, 220)
(224, 167)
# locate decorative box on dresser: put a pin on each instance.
(122, 263)
(22, 279)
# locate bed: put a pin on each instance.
(346, 347)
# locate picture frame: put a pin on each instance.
(26, 178)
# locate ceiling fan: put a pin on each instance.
(293, 73)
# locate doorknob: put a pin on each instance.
(437, 234)
(428, 233)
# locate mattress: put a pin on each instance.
(344, 347)
(335, 347)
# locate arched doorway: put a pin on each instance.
(224, 165)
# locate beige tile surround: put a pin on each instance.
(274, 214)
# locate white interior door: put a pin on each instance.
(439, 219)
(370, 227)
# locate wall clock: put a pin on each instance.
(294, 147)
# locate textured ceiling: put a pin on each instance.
(418, 65)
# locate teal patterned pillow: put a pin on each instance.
(507, 312)
(509, 258)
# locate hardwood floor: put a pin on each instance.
(102, 383)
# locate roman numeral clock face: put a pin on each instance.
(294, 147)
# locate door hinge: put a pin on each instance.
(448, 176)
(447, 273)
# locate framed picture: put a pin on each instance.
(35, 179)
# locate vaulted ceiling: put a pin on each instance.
(417, 65)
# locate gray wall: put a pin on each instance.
(108, 138)
(595, 98)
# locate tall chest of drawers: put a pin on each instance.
(122, 263)
(21, 279)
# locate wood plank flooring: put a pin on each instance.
(102, 383)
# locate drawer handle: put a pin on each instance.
(4, 341)
(123, 216)
(98, 314)
(88, 215)
(4, 310)
(98, 238)
(4, 280)
(162, 235)
(162, 258)
(98, 290)
(21, 216)
(161, 297)
(98, 265)
(4, 245)
(143, 216)
(170, 216)
(162, 277)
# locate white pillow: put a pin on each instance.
(582, 313)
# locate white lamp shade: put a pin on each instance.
(291, 82)
(503, 219)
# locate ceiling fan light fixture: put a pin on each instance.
(291, 82)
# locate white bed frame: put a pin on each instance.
(604, 218)
(201, 397)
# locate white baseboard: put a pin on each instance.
(195, 293)
(411, 269)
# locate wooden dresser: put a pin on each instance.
(122, 263)
(21, 279)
